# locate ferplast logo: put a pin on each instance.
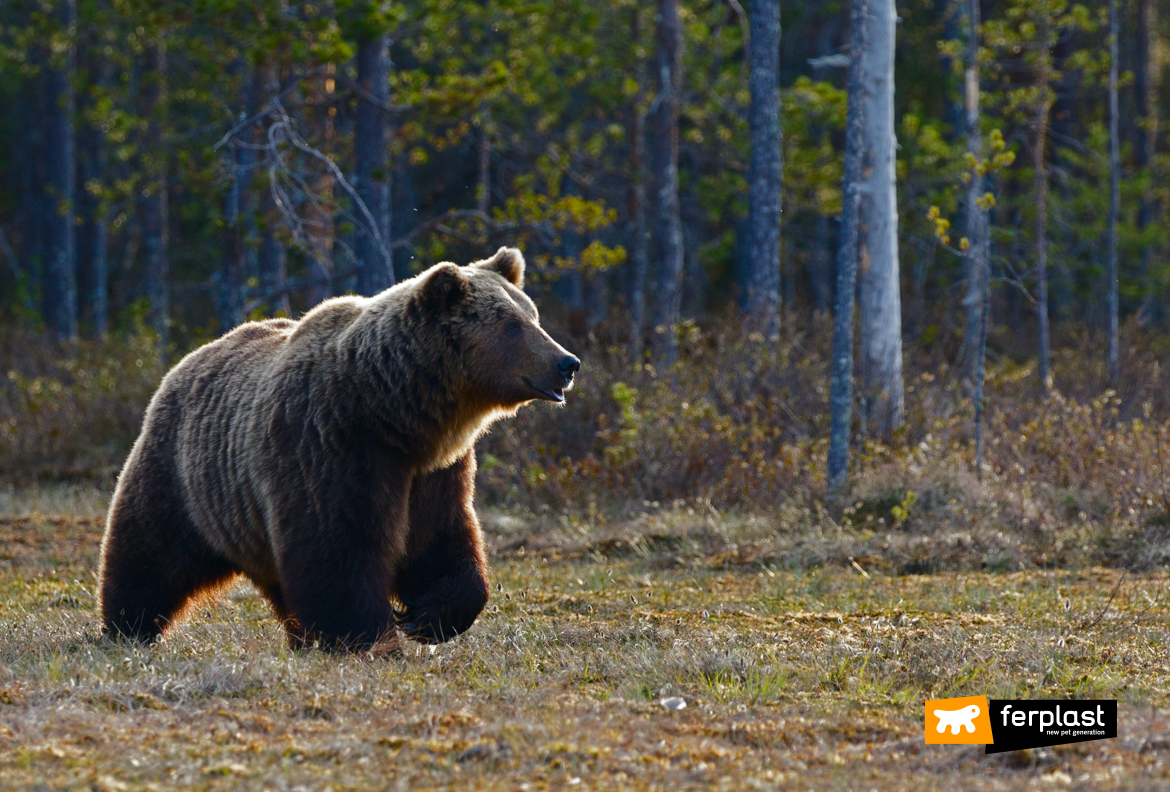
(962, 721)
(1032, 724)
(1014, 725)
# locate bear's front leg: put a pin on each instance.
(335, 562)
(443, 579)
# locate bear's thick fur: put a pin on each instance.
(330, 461)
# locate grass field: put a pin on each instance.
(795, 676)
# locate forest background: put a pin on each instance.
(172, 170)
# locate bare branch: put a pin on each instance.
(268, 108)
(285, 123)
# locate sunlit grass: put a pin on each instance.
(811, 674)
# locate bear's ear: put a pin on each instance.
(507, 261)
(444, 287)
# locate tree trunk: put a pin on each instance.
(841, 398)
(154, 188)
(955, 114)
(1040, 176)
(60, 283)
(484, 195)
(669, 222)
(881, 310)
(405, 201)
(273, 258)
(694, 297)
(231, 282)
(30, 212)
(978, 236)
(820, 266)
(93, 234)
(318, 220)
(241, 158)
(636, 197)
(1146, 89)
(375, 267)
(976, 217)
(1114, 195)
(765, 169)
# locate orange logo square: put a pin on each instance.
(962, 721)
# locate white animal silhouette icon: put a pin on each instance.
(955, 718)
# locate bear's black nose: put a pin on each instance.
(568, 366)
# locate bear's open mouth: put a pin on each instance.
(548, 394)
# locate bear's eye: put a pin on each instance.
(513, 327)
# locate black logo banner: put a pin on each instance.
(1034, 723)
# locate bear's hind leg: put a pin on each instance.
(443, 579)
(153, 563)
(294, 633)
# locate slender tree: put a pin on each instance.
(60, 282)
(30, 212)
(155, 222)
(484, 149)
(636, 195)
(977, 231)
(669, 221)
(241, 162)
(841, 396)
(765, 169)
(1146, 90)
(978, 236)
(93, 232)
(318, 220)
(1114, 195)
(375, 267)
(273, 258)
(820, 259)
(881, 308)
(1040, 179)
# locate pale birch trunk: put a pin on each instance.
(881, 308)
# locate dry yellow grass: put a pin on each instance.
(794, 677)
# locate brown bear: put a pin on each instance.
(330, 461)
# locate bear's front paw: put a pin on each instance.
(433, 624)
(449, 608)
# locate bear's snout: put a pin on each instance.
(568, 366)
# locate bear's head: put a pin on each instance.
(506, 356)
